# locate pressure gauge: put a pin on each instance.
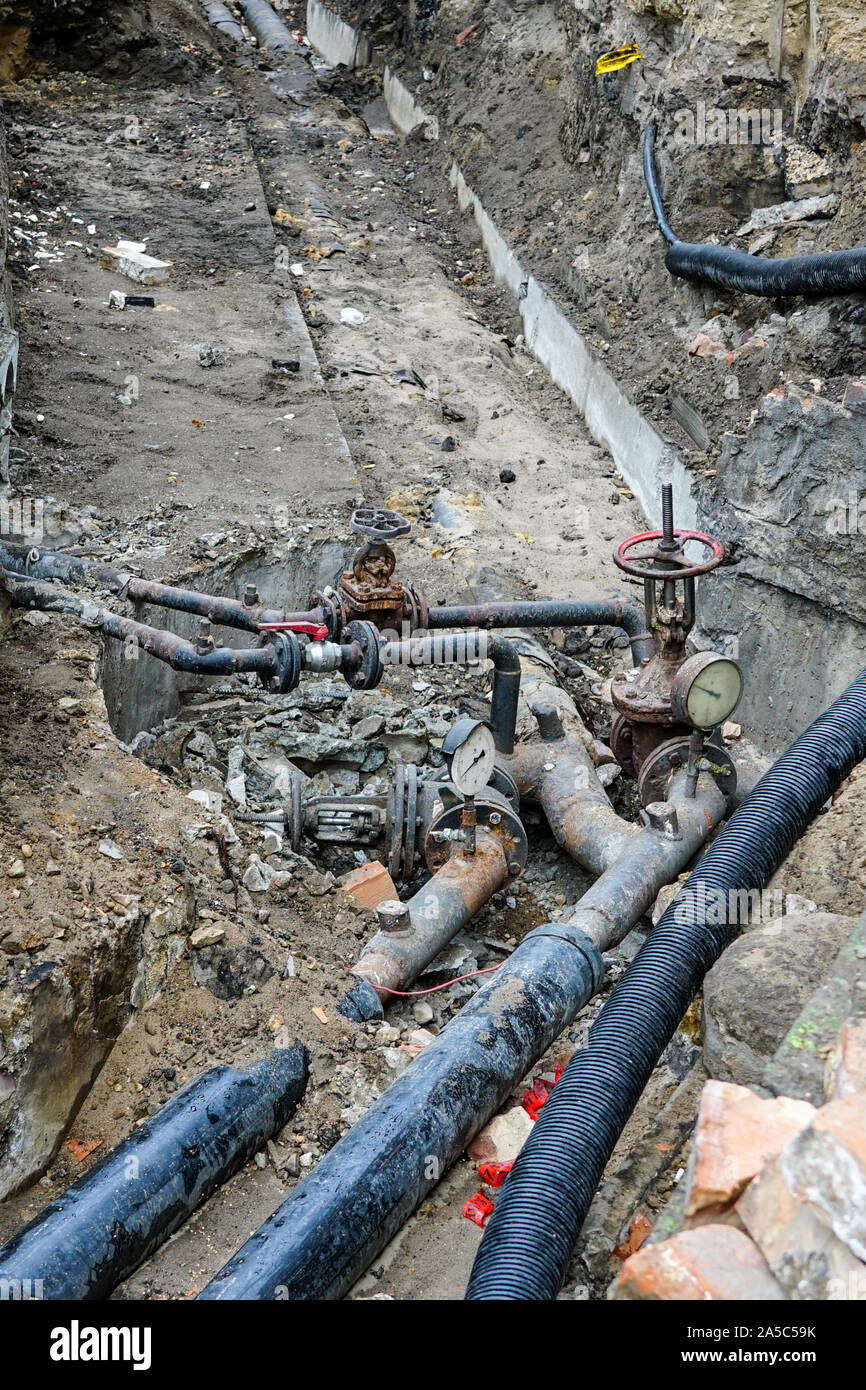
(706, 690)
(471, 753)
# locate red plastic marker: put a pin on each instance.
(494, 1174)
(478, 1208)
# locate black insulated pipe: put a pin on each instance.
(157, 642)
(27, 562)
(357, 1197)
(456, 648)
(527, 1245)
(833, 272)
(84, 1243)
(550, 613)
(269, 29)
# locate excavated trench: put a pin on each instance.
(110, 1010)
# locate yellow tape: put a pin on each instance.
(618, 58)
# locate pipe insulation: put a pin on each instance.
(528, 1242)
(269, 29)
(27, 562)
(833, 272)
(529, 613)
(157, 642)
(323, 1237)
(359, 1194)
(221, 17)
(85, 1242)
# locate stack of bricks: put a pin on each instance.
(775, 1203)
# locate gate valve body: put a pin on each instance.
(669, 696)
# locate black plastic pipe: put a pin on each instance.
(527, 1245)
(550, 613)
(83, 1244)
(833, 272)
(359, 1194)
(269, 29)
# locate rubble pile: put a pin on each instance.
(772, 1202)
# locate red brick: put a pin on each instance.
(736, 1134)
(716, 1263)
(369, 885)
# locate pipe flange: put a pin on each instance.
(502, 781)
(419, 608)
(287, 662)
(493, 812)
(672, 757)
(622, 743)
(332, 611)
(369, 670)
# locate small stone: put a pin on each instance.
(507, 475)
(417, 1040)
(715, 1263)
(369, 727)
(16, 869)
(503, 1138)
(207, 935)
(386, 1034)
(826, 1164)
(110, 849)
(52, 868)
(737, 1133)
(422, 1012)
(257, 878)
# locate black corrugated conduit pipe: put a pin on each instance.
(528, 1242)
(833, 272)
(85, 1242)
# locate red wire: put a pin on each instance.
(409, 993)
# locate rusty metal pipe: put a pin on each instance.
(165, 646)
(653, 858)
(450, 899)
(562, 779)
(456, 648)
(29, 563)
(567, 613)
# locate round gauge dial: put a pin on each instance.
(471, 754)
(706, 690)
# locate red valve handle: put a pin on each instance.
(318, 631)
(641, 566)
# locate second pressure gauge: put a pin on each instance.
(471, 753)
(706, 690)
